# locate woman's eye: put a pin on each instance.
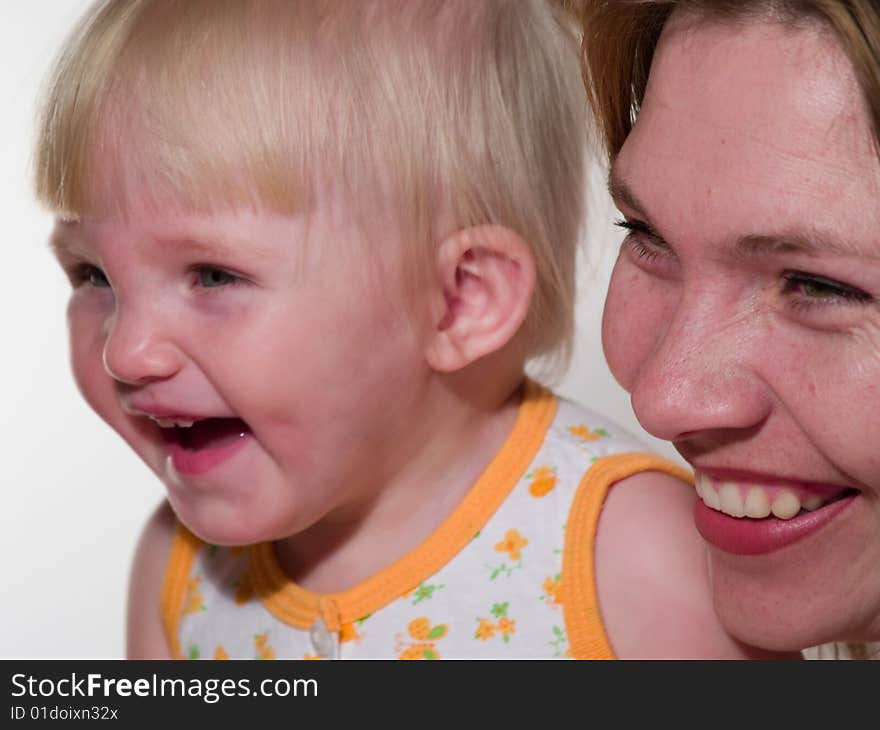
(643, 241)
(810, 289)
(211, 277)
(91, 275)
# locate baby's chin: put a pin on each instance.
(226, 521)
(214, 521)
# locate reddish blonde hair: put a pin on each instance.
(620, 37)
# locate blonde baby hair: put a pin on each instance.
(474, 107)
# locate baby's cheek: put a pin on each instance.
(86, 360)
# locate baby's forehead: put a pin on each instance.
(214, 100)
(139, 212)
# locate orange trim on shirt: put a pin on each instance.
(299, 608)
(184, 548)
(580, 599)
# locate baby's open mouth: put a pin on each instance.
(757, 501)
(202, 433)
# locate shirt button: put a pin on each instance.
(322, 640)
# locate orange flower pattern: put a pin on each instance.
(425, 635)
(584, 432)
(485, 629)
(512, 544)
(261, 646)
(505, 627)
(553, 590)
(194, 601)
(543, 480)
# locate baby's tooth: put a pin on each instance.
(185, 424)
(812, 503)
(786, 505)
(165, 422)
(757, 505)
(731, 500)
(710, 496)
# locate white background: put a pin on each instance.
(74, 497)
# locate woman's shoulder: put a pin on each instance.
(652, 575)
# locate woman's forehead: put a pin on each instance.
(756, 123)
(785, 87)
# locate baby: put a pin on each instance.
(312, 247)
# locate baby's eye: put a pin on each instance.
(91, 275)
(811, 289)
(211, 277)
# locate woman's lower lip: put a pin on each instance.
(199, 461)
(745, 536)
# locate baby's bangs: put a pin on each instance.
(166, 104)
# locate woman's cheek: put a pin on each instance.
(632, 322)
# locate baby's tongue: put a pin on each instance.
(211, 432)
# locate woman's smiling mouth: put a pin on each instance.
(746, 515)
(757, 500)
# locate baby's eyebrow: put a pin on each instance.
(213, 246)
(62, 243)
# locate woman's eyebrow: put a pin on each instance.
(802, 242)
(621, 193)
(756, 245)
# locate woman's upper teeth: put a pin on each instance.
(739, 499)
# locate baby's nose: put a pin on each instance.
(138, 350)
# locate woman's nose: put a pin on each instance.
(137, 348)
(700, 377)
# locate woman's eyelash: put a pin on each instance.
(642, 250)
(642, 228)
(811, 290)
(634, 225)
(650, 250)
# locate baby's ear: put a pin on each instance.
(484, 278)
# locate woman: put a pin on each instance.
(743, 314)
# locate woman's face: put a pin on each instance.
(744, 317)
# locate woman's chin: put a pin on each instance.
(794, 594)
(791, 613)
